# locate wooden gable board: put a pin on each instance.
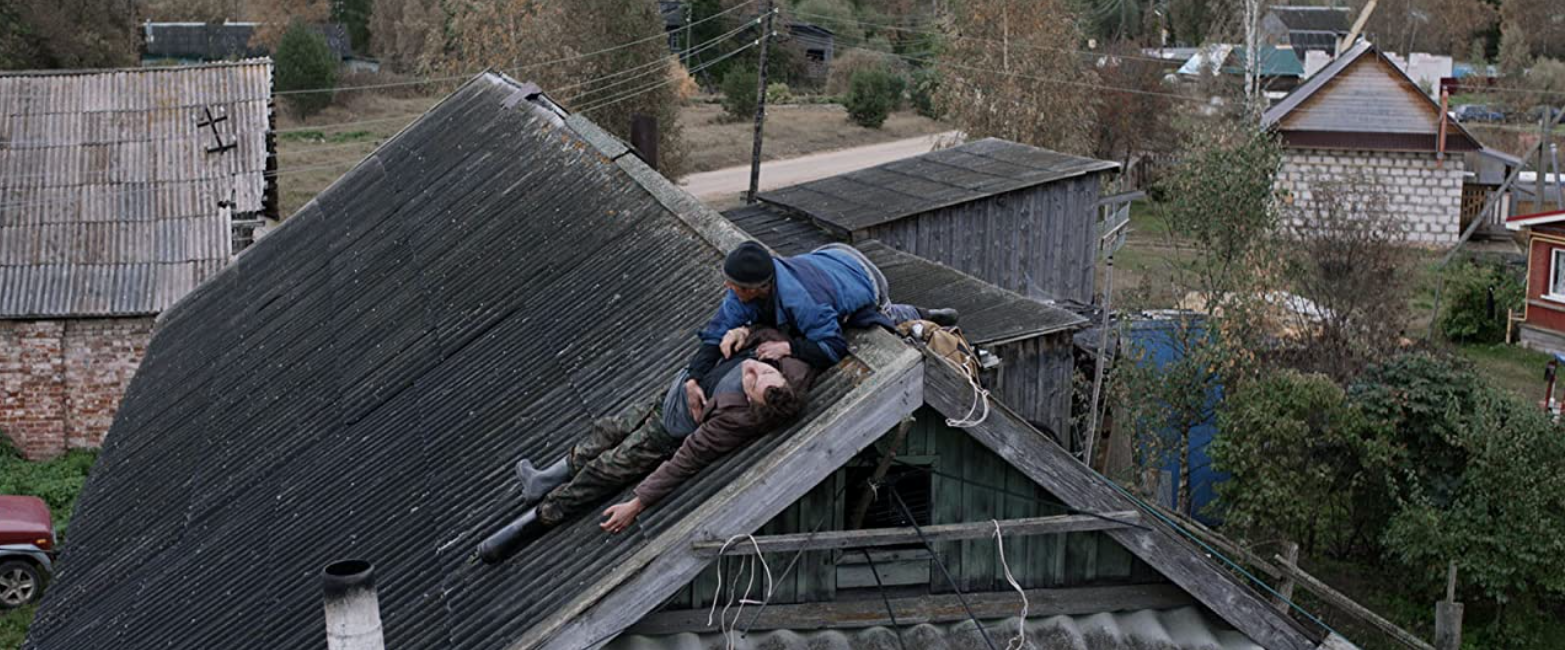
(1371, 96)
(903, 380)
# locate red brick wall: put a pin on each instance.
(61, 380)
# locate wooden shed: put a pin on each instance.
(1020, 217)
(1543, 323)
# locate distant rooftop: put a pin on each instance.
(902, 188)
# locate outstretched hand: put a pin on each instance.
(773, 350)
(733, 341)
(695, 399)
(622, 515)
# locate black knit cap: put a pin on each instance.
(749, 265)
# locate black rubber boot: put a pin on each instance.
(941, 317)
(508, 540)
(537, 482)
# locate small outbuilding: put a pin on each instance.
(1543, 322)
(1361, 119)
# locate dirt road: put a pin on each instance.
(727, 183)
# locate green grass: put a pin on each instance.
(332, 138)
(13, 627)
(1146, 220)
(1511, 367)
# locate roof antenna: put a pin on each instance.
(352, 608)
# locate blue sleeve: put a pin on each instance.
(815, 321)
(730, 314)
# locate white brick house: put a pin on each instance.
(1361, 118)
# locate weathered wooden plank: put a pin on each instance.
(931, 609)
(1077, 486)
(1337, 599)
(875, 537)
(798, 465)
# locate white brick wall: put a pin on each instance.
(1429, 198)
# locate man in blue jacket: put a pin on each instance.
(811, 297)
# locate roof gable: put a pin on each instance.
(1312, 19)
(117, 193)
(1363, 97)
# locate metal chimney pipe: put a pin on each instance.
(352, 608)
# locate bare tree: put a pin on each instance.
(1350, 264)
(409, 35)
(1014, 73)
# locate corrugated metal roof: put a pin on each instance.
(1184, 628)
(902, 188)
(109, 199)
(360, 382)
(990, 314)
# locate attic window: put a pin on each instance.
(911, 482)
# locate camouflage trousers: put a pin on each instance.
(615, 455)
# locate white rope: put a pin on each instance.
(1019, 641)
(980, 399)
(722, 620)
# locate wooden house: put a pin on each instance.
(1361, 119)
(1543, 323)
(120, 192)
(459, 300)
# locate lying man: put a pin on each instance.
(811, 297)
(749, 398)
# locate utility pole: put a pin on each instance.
(760, 102)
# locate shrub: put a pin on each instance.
(854, 61)
(1477, 297)
(305, 62)
(924, 83)
(778, 93)
(739, 93)
(870, 98)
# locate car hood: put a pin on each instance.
(24, 520)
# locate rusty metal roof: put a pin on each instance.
(116, 194)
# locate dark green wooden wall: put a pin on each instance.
(969, 483)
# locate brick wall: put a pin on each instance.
(61, 380)
(1428, 198)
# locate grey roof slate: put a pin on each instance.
(360, 382)
(902, 188)
(1182, 628)
(990, 314)
(109, 197)
(1313, 19)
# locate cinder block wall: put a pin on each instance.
(1427, 197)
(61, 380)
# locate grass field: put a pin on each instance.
(312, 153)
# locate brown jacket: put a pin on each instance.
(726, 425)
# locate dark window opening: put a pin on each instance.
(911, 483)
(815, 55)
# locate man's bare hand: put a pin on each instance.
(773, 350)
(695, 399)
(621, 516)
(733, 341)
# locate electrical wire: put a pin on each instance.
(654, 85)
(657, 67)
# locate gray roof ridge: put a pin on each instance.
(259, 60)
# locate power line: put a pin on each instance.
(657, 67)
(654, 85)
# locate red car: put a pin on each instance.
(26, 549)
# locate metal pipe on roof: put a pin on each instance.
(352, 607)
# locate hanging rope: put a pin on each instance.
(908, 515)
(1019, 641)
(722, 620)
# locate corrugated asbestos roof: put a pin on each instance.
(888, 192)
(109, 199)
(990, 314)
(360, 382)
(1184, 628)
